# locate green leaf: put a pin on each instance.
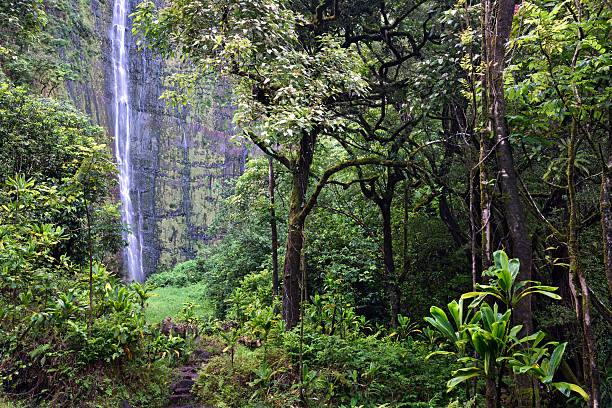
(514, 267)
(469, 295)
(555, 358)
(542, 292)
(456, 311)
(501, 259)
(566, 388)
(462, 375)
(514, 331)
(438, 353)
(441, 323)
(505, 279)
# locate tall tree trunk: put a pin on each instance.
(485, 132)
(90, 320)
(496, 31)
(471, 202)
(578, 283)
(485, 206)
(521, 245)
(606, 205)
(606, 222)
(273, 228)
(405, 260)
(295, 236)
(388, 263)
(491, 400)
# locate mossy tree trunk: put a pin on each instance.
(300, 169)
(578, 283)
(496, 37)
(606, 204)
(273, 227)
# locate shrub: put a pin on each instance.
(369, 371)
(183, 274)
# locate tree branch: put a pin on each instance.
(339, 167)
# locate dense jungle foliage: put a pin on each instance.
(425, 219)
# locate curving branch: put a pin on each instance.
(339, 167)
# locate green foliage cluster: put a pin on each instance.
(50, 336)
(359, 364)
(182, 274)
(490, 336)
(58, 148)
(68, 326)
(46, 42)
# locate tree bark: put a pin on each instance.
(521, 245)
(606, 222)
(491, 400)
(273, 227)
(389, 264)
(578, 283)
(485, 132)
(485, 207)
(295, 236)
(606, 206)
(405, 260)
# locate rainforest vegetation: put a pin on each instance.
(424, 219)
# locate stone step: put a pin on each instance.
(186, 396)
(184, 383)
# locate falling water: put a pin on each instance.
(132, 253)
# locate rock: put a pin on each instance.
(180, 156)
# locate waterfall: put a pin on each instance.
(132, 255)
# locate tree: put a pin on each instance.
(288, 74)
(50, 142)
(496, 28)
(574, 103)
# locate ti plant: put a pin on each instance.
(264, 376)
(405, 328)
(489, 333)
(231, 338)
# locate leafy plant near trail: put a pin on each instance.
(45, 334)
(490, 334)
(68, 326)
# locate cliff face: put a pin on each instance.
(180, 158)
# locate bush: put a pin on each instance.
(183, 274)
(369, 371)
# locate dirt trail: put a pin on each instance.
(183, 379)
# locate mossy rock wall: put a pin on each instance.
(180, 158)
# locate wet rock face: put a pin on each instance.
(179, 158)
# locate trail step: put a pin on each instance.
(181, 396)
(183, 380)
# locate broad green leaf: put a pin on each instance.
(438, 353)
(505, 279)
(462, 375)
(555, 358)
(469, 295)
(565, 389)
(514, 331)
(543, 292)
(456, 311)
(513, 267)
(442, 323)
(501, 259)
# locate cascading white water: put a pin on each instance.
(132, 253)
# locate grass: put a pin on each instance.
(170, 299)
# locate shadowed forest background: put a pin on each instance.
(335, 203)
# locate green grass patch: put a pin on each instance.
(169, 301)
